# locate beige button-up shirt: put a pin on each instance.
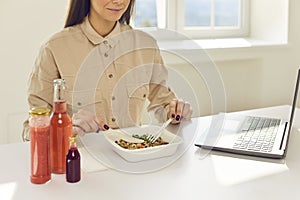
(112, 76)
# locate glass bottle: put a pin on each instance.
(39, 123)
(73, 162)
(60, 129)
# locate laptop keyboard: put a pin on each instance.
(257, 134)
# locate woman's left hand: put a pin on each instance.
(179, 110)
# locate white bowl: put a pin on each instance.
(144, 153)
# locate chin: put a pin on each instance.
(116, 19)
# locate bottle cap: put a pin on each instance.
(59, 81)
(39, 111)
(72, 139)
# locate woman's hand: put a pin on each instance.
(178, 110)
(85, 122)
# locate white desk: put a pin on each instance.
(217, 176)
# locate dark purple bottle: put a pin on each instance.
(73, 162)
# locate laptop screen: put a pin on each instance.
(294, 101)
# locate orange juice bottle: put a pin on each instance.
(39, 123)
(60, 129)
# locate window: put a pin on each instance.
(145, 13)
(195, 18)
(150, 13)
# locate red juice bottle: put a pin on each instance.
(60, 129)
(39, 123)
(73, 162)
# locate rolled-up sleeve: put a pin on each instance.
(160, 94)
(40, 90)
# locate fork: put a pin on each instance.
(152, 138)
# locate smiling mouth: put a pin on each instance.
(114, 9)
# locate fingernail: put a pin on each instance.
(173, 115)
(106, 127)
(178, 117)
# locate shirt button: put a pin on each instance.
(113, 98)
(106, 54)
(105, 42)
(113, 119)
(110, 75)
(79, 103)
(144, 95)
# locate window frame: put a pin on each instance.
(170, 15)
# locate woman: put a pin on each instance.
(95, 24)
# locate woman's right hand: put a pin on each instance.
(86, 122)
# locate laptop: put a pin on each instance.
(249, 135)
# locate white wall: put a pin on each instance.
(263, 76)
(24, 26)
(253, 77)
(259, 75)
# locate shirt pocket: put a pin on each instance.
(85, 99)
(133, 74)
(137, 92)
(137, 97)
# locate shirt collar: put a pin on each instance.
(93, 36)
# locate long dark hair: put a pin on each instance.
(79, 9)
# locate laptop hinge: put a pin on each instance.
(284, 132)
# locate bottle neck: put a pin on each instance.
(60, 106)
(59, 93)
(72, 145)
(59, 102)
